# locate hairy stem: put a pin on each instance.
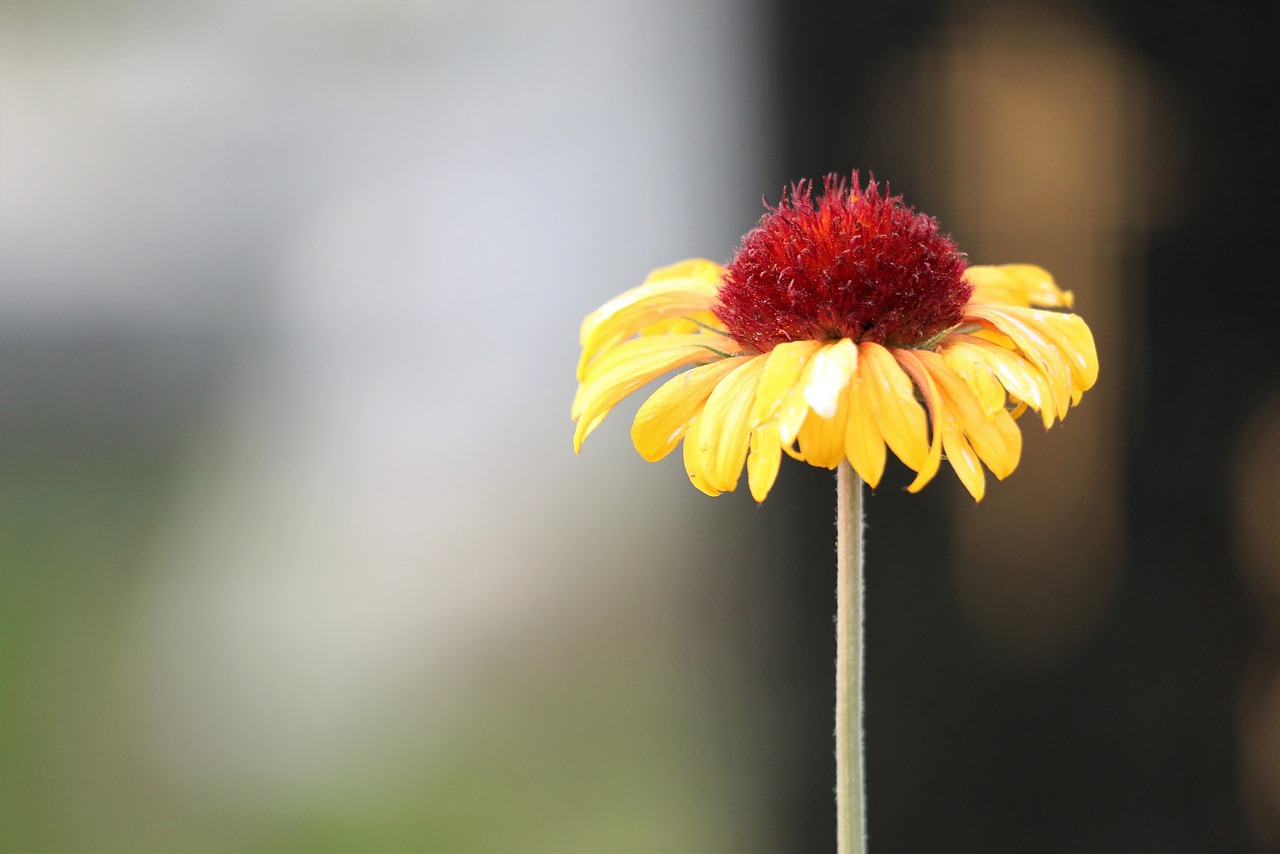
(851, 807)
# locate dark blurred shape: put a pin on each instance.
(1257, 546)
(1124, 733)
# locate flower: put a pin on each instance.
(837, 329)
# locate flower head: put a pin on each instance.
(838, 329)
(857, 265)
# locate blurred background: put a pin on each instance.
(294, 550)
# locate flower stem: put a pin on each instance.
(851, 804)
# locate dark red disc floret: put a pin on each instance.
(858, 264)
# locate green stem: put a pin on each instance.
(851, 805)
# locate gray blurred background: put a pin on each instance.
(294, 550)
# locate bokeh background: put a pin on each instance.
(294, 551)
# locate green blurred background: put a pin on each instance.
(294, 551)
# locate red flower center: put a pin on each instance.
(857, 265)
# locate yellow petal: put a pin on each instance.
(763, 461)
(981, 380)
(1075, 340)
(665, 417)
(794, 410)
(778, 411)
(833, 368)
(995, 336)
(1016, 284)
(631, 365)
(695, 274)
(822, 439)
(691, 459)
(610, 335)
(1067, 336)
(862, 440)
(947, 434)
(1032, 342)
(664, 297)
(781, 375)
(1023, 380)
(995, 438)
(711, 347)
(898, 415)
(633, 310)
(726, 429)
(664, 316)
(690, 269)
(962, 458)
(683, 325)
(910, 363)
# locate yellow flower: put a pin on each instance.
(838, 328)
